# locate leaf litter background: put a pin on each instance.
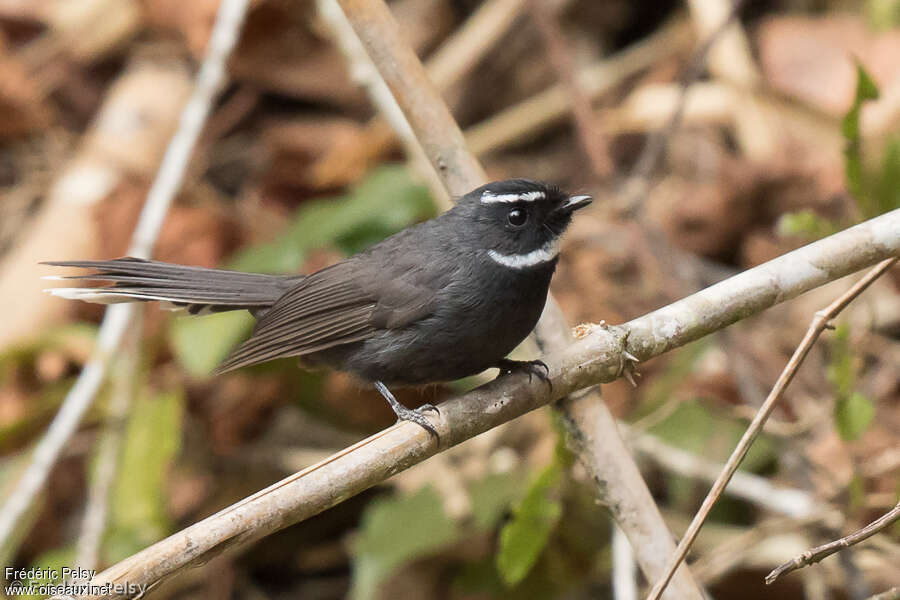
(292, 174)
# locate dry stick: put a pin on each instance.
(638, 182)
(364, 73)
(624, 576)
(819, 323)
(118, 317)
(592, 141)
(788, 501)
(429, 117)
(443, 142)
(891, 594)
(529, 117)
(467, 45)
(595, 357)
(93, 524)
(818, 553)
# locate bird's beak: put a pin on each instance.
(574, 203)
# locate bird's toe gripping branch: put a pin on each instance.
(534, 368)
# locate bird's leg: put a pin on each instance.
(537, 368)
(406, 414)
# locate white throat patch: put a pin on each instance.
(542, 255)
(490, 198)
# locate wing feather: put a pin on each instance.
(326, 309)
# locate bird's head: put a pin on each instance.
(518, 222)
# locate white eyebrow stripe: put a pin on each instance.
(545, 253)
(490, 198)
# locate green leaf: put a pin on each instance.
(492, 496)
(882, 15)
(696, 428)
(852, 415)
(50, 564)
(805, 223)
(386, 201)
(853, 163)
(201, 343)
(841, 370)
(852, 410)
(886, 187)
(396, 531)
(138, 508)
(524, 538)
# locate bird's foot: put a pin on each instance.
(537, 368)
(407, 414)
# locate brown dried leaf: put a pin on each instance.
(23, 108)
(812, 59)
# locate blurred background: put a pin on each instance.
(785, 130)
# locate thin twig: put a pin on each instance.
(787, 501)
(891, 594)
(118, 317)
(93, 524)
(637, 184)
(462, 51)
(595, 357)
(624, 581)
(531, 116)
(366, 75)
(434, 127)
(589, 135)
(819, 323)
(816, 554)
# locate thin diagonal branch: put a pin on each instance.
(816, 554)
(119, 317)
(638, 181)
(93, 524)
(595, 357)
(819, 323)
(417, 96)
(593, 143)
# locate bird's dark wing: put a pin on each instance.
(390, 286)
(416, 267)
(326, 309)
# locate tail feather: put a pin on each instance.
(196, 289)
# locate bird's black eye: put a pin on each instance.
(517, 217)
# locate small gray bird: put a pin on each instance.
(438, 301)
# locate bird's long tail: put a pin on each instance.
(196, 289)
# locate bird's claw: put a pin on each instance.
(536, 368)
(414, 416)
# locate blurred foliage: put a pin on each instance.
(395, 531)
(526, 534)
(492, 496)
(876, 190)
(51, 561)
(138, 507)
(852, 410)
(853, 161)
(382, 204)
(806, 223)
(201, 343)
(883, 15)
